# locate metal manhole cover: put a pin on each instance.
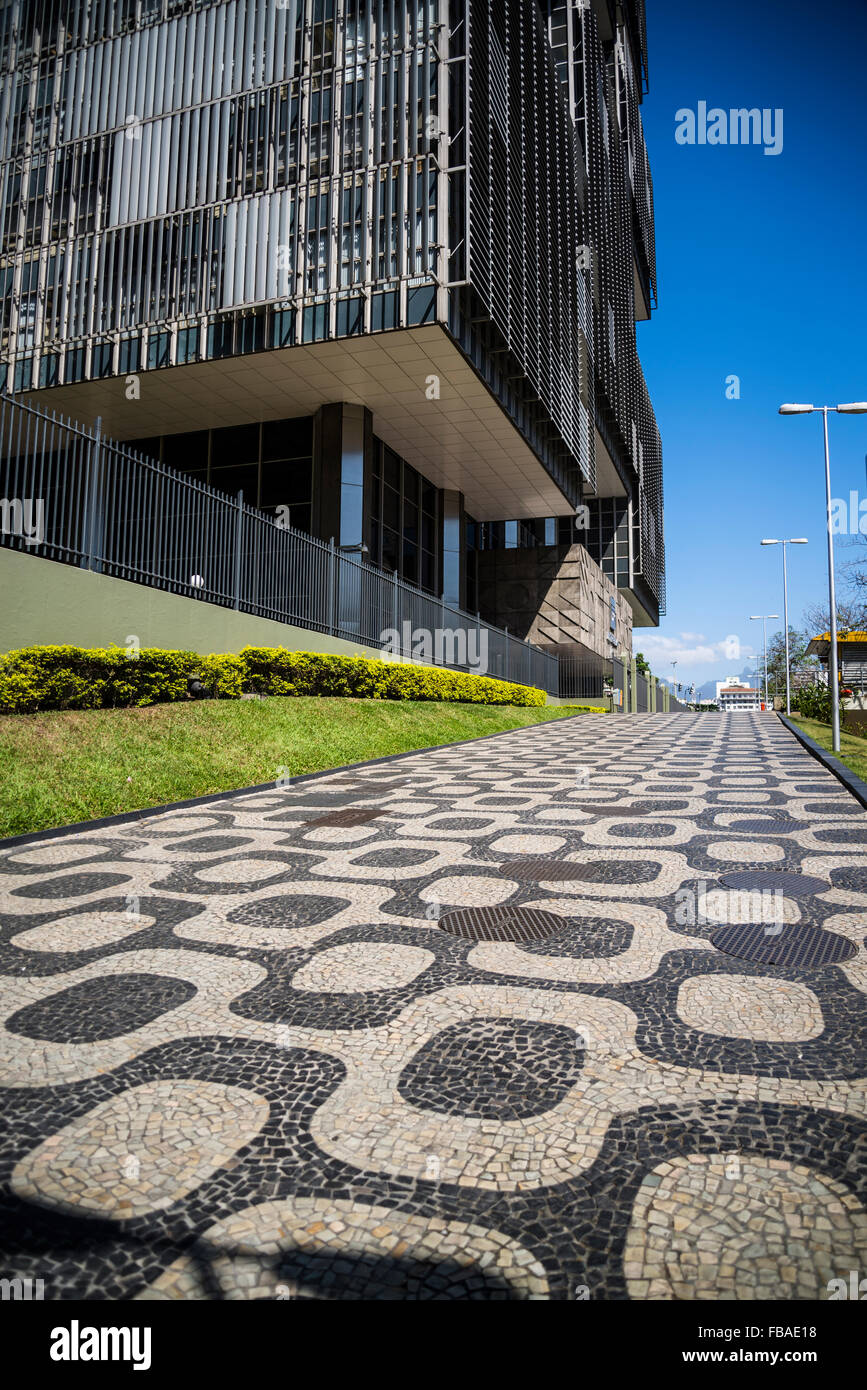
(793, 885)
(784, 945)
(501, 923)
(351, 816)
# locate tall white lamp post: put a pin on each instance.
(853, 408)
(797, 540)
(763, 618)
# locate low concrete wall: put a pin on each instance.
(45, 603)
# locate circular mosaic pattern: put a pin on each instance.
(742, 852)
(394, 858)
(104, 1008)
(600, 871)
(788, 945)
(72, 886)
(767, 826)
(347, 1048)
(585, 938)
(494, 1069)
(731, 1226)
(288, 910)
(502, 923)
(854, 879)
(775, 881)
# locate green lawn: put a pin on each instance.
(853, 750)
(69, 765)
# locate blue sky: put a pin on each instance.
(762, 275)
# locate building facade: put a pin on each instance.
(377, 264)
(732, 694)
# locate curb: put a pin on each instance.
(853, 784)
(128, 817)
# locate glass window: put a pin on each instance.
(350, 317)
(383, 311)
(283, 330)
(243, 478)
(159, 350)
(287, 439)
(238, 444)
(129, 356)
(420, 305)
(188, 344)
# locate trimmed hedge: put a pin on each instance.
(41, 678)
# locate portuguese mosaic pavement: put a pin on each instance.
(245, 1056)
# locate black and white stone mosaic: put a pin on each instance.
(241, 1058)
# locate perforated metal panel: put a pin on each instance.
(771, 881)
(791, 945)
(501, 923)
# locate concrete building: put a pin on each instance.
(375, 264)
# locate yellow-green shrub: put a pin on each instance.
(36, 678)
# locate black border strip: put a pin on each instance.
(844, 774)
(127, 817)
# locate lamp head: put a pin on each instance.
(770, 542)
(853, 408)
(796, 409)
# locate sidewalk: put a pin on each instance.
(302, 1044)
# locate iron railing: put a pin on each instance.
(69, 493)
(72, 495)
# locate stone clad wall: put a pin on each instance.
(553, 595)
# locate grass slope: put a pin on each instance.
(68, 765)
(853, 750)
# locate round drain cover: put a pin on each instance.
(793, 885)
(501, 923)
(784, 945)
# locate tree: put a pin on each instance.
(642, 665)
(851, 616)
(798, 660)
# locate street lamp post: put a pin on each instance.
(797, 540)
(763, 617)
(853, 408)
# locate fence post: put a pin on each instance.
(332, 585)
(395, 610)
(239, 532)
(94, 490)
(625, 684)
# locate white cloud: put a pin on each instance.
(688, 649)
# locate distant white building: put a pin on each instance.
(731, 694)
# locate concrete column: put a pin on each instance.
(342, 460)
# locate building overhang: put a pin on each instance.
(609, 482)
(427, 401)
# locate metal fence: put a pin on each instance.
(71, 494)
